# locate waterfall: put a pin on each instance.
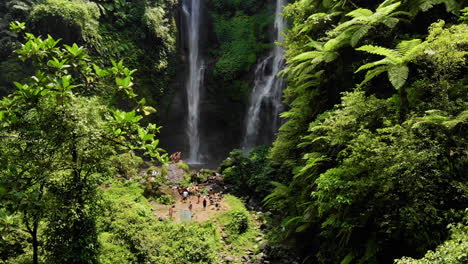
(266, 98)
(192, 13)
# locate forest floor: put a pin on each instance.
(199, 214)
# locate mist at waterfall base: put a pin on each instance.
(262, 120)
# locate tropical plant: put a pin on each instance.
(363, 20)
(395, 62)
(59, 131)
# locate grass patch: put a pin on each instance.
(239, 241)
(183, 166)
(129, 229)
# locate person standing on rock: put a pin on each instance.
(185, 194)
(171, 212)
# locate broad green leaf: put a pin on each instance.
(148, 110)
(398, 75)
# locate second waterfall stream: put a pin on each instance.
(262, 119)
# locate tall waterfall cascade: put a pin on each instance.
(192, 12)
(262, 120)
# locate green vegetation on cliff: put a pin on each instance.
(241, 30)
(370, 164)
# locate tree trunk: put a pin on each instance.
(404, 104)
(35, 244)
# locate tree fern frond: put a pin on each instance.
(307, 85)
(387, 9)
(359, 34)
(390, 22)
(315, 44)
(373, 73)
(311, 164)
(344, 26)
(360, 12)
(292, 221)
(389, 53)
(388, 2)
(417, 6)
(339, 41)
(398, 75)
(401, 14)
(280, 192)
(306, 56)
(326, 56)
(371, 65)
(405, 48)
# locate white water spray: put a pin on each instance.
(192, 12)
(267, 88)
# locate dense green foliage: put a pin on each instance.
(250, 175)
(452, 251)
(369, 166)
(58, 134)
(130, 233)
(241, 29)
(142, 33)
(382, 173)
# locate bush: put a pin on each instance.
(129, 223)
(239, 221)
(127, 165)
(187, 180)
(452, 251)
(250, 175)
(165, 199)
(113, 252)
(184, 166)
(79, 14)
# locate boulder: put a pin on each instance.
(174, 174)
(228, 259)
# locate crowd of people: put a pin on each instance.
(196, 196)
(201, 196)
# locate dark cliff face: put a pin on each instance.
(223, 103)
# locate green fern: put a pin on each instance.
(416, 6)
(363, 20)
(394, 63)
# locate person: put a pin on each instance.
(190, 206)
(199, 197)
(185, 194)
(171, 211)
(204, 203)
(181, 193)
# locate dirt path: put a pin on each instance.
(198, 213)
